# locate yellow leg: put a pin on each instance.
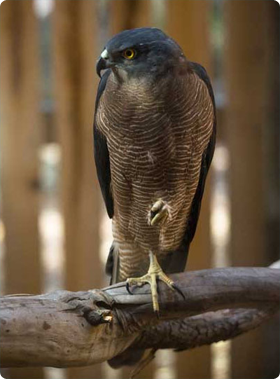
(159, 213)
(155, 272)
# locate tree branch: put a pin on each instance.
(64, 329)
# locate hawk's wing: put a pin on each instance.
(176, 262)
(101, 154)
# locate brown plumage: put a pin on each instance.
(156, 134)
(154, 138)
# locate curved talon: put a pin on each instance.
(159, 213)
(159, 217)
(178, 289)
(128, 288)
(153, 275)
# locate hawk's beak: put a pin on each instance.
(103, 62)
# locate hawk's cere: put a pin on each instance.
(154, 137)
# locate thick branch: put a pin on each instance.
(202, 329)
(64, 329)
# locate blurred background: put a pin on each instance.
(54, 232)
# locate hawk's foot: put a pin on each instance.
(159, 213)
(155, 272)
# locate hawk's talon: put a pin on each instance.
(178, 289)
(159, 212)
(154, 273)
(128, 288)
(139, 282)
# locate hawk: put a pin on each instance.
(154, 138)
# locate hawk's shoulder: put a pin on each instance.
(202, 74)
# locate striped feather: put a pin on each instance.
(156, 136)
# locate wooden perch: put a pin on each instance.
(64, 329)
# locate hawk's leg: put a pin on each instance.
(155, 272)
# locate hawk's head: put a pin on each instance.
(143, 51)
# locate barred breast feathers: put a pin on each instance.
(155, 141)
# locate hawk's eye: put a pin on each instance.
(129, 53)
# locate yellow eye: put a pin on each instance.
(129, 53)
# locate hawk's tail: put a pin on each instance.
(112, 264)
(130, 356)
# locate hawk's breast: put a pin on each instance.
(156, 136)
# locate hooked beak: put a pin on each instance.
(103, 62)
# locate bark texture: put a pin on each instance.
(64, 329)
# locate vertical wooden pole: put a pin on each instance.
(127, 14)
(20, 137)
(271, 132)
(75, 53)
(75, 90)
(247, 69)
(188, 24)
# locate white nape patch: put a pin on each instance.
(104, 54)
